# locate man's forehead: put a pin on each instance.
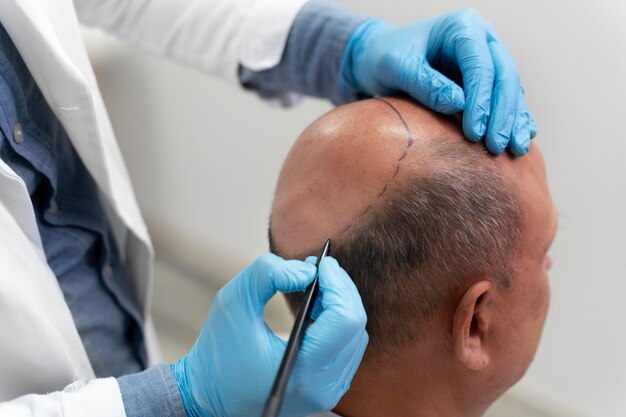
(538, 211)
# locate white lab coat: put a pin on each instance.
(40, 349)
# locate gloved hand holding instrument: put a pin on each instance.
(231, 367)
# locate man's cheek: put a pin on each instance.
(541, 298)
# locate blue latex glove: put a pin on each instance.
(231, 367)
(429, 59)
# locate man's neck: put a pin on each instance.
(412, 391)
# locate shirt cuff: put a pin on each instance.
(152, 393)
(312, 56)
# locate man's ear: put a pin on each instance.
(471, 325)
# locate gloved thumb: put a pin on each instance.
(269, 274)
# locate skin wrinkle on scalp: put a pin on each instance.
(397, 171)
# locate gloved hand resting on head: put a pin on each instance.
(231, 367)
(427, 59)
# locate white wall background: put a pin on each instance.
(204, 158)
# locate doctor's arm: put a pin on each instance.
(231, 367)
(450, 63)
(97, 398)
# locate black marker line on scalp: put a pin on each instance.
(404, 123)
(409, 140)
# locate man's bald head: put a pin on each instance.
(415, 212)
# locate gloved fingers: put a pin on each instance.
(524, 129)
(342, 317)
(267, 275)
(351, 361)
(533, 123)
(523, 108)
(334, 374)
(317, 307)
(473, 57)
(428, 86)
(505, 99)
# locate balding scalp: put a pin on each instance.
(450, 218)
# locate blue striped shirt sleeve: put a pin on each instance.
(153, 392)
(312, 56)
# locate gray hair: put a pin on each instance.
(446, 222)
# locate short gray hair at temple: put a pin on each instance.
(451, 220)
